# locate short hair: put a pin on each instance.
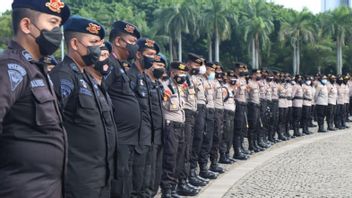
(18, 14)
(69, 36)
(114, 34)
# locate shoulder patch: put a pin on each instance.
(27, 55)
(16, 73)
(66, 87)
(37, 83)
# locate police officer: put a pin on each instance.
(321, 101)
(274, 107)
(173, 103)
(288, 86)
(123, 37)
(33, 143)
(254, 122)
(339, 122)
(154, 159)
(346, 98)
(307, 104)
(283, 108)
(297, 104)
(147, 50)
(241, 121)
(220, 93)
(198, 69)
(265, 96)
(86, 111)
(209, 124)
(229, 118)
(332, 101)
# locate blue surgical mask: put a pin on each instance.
(211, 76)
(324, 81)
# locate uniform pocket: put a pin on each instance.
(86, 111)
(45, 111)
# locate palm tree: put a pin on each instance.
(257, 25)
(216, 22)
(175, 20)
(298, 28)
(338, 23)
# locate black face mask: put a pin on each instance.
(99, 66)
(300, 82)
(233, 82)
(269, 79)
(288, 81)
(158, 72)
(339, 82)
(242, 74)
(345, 81)
(48, 41)
(93, 55)
(180, 79)
(147, 62)
(332, 81)
(277, 80)
(195, 71)
(132, 51)
(258, 78)
(219, 75)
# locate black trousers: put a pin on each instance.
(141, 171)
(229, 120)
(173, 156)
(347, 106)
(253, 119)
(240, 124)
(339, 116)
(296, 117)
(350, 107)
(321, 114)
(289, 119)
(207, 138)
(265, 116)
(217, 135)
(330, 115)
(189, 128)
(121, 187)
(274, 107)
(154, 163)
(282, 119)
(306, 114)
(93, 192)
(199, 130)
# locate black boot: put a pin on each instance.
(214, 167)
(251, 144)
(205, 173)
(238, 154)
(166, 193)
(261, 142)
(242, 148)
(255, 141)
(184, 190)
(224, 159)
(193, 187)
(174, 193)
(331, 126)
(296, 132)
(193, 179)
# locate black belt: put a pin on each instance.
(253, 104)
(298, 98)
(241, 103)
(308, 99)
(174, 124)
(282, 97)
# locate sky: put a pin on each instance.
(313, 5)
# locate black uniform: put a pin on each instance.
(127, 117)
(32, 139)
(91, 131)
(154, 159)
(139, 86)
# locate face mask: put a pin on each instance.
(48, 41)
(211, 76)
(233, 82)
(93, 55)
(147, 62)
(242, 74)
(195, 71)
(132, 51)
(219, 74)
(99, 66)
(258, 78)
(202, 69)
(308, 82)
(288, 81)
(269, 79)
(180, 79)
(339, 82)
(293, 82)
(324, 81)
(158, 72)
(332, 81)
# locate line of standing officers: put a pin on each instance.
(114, 119)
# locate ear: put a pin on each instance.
(117, 41)
(139, 55)
(24, 25)
(74, 44)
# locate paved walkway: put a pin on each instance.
(319, 165)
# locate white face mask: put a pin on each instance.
(308, 82)
(324, 81)
(202, 69)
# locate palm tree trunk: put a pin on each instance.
(217, 45)
(170, 49)
(339, 55)
(298, 57)
(257, 51)
(294, 59)
(253, 54)
(179, 46)
(210, 49)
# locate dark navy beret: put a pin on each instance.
(125, 27)
(52, 7)
(144, 43)
(160, 58)
(195, 58)
(84, 25)
(179, 66)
